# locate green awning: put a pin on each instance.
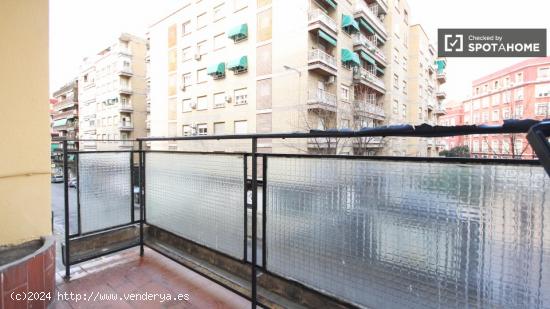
(238, 32)
(331, 3)
(350, 57)
(349, 23)
(367, 58)
(54, 147)
(366, 25)
(379, 70)
(70, 157)
(216, 69)
(60, 122)
(327, 37)
(379, 38)
(441, 64)
(238, 64)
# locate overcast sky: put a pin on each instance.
(80, 28)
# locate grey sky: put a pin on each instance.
(79, 28)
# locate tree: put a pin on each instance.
(456, 152)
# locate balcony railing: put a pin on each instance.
(68, 114)
(367, 11)
(360, 39)
(126, 70)
(369, 77)
(365, 231)
(441, 95)
(126, 108)
(322, 98)
(319, 16)
(319, 56)
(125, 89)
(126, 125)
(369, 108)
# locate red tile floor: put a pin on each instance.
(125, 275)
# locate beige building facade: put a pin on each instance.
(232, 67)
(112, 95)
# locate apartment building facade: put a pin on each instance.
(425, 76)
(521, 91)
(112, 90)
(230, 67)
(64, 113)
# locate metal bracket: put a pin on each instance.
(538, 139)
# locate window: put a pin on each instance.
(505, 147)
(507, 82)
(219, 128)
(202, 129)
(420, 113)
(477, 91)
(241, 127)
(396, 81)
(186, 54)
(345, 92)
(495, 115)
(507, 97)
(240, 96)
(201, 20)
(186, 80)
(496, 85)
(201, 75)
(466, 119)
(494, 146)
(518, 147)
(505, 113)
(495, 99)
(201, 48)
(519, 94)
(475, 105)
(485, 117)
(484, 146)
(202, 103)
(406, 17)
(219, 99)
(542, 90)
(485, 102)
(186, 130)
(467, 107)
(404, 87)
(476, 146)
(519, 111)
(186, 105)
(219, 12)
(543, 73)
(219, 41)
(541, 109)
(395, 107)
(519, 78)
(186, 28)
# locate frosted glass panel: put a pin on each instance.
(198, 197)
(104, 182)
(411, 235)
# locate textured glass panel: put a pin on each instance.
(412, 235)
(198, 197)
(104, 190)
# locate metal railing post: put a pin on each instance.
(77, 166)
(264, 212)
(66, 197)
(254, 218)
(141, 199)
(245, 179)
(132, 217)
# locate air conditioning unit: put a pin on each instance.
(193, 105)
(198, 56)
(331, 80)
(228, 98)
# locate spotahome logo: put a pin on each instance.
(491, 42)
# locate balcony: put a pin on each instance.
(322, 63)
(369, 79)
(126, 126)
(320, 20)
(440, 110)
(361, 42)
(441, 95)
(387, 222)
(441, 77)
(125, 89)
(369, 109)
(125, 108)
(61, 105)
(368, 12)
(124, 51)
(67, 114)
(125, 144)
(321, 100)
(125, 71)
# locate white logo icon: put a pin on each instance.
(454, 42)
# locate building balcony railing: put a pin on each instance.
(369, 108)
(361, 41)
(440, 110)
(125, 108)
(367, 12)
(322, 100)
(125, 89)
(441, 95)
(318, 19)
(61, 105)
(441, 77)
(67, 114)
(126, 71)
(126, 126)
(368, 142)
(394, 224)
(369, 79)
(322, 62)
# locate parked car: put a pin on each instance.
(72, 182)
(57, 178)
